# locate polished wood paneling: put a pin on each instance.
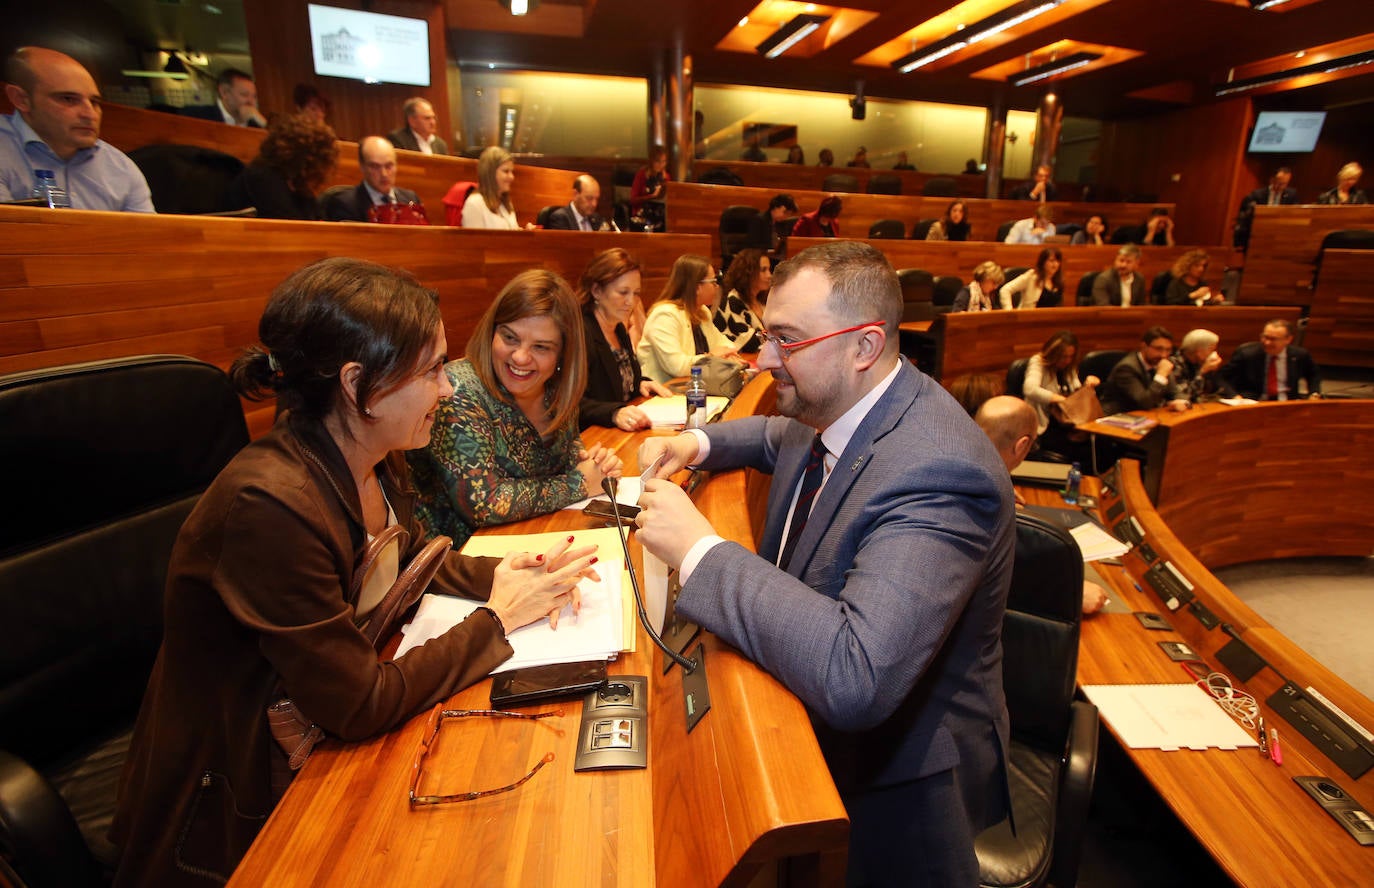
(959, 258)
(1340, 330)
(717, 806)
(988, 341)
(1298, 477)
(1249, 815)
(1284, 243)
(80, 286)
(696, 208)
(795, 177)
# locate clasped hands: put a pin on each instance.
(528, 587)
(669, 523)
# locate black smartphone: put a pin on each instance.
(535, 684)
(603, 510)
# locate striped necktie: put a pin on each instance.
(810, 483)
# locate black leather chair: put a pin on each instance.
(892, 229)
(884, 183)
(1003, 230)
(1084, 294)
(940, 186)
(1129, 234)
(1100, 363)
(734, 231)
(921, 228)
(1159, 287)
(720, 176)
(105, 460)
(843, 182)
(1016, 377)
(542, 220)
(947, 287)
(1053, 756)
(187, 179)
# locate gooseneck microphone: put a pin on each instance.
(688, 665)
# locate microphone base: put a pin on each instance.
(678, 636)
(696, 695)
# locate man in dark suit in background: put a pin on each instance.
(237, 103)
(419, 132)
(580, 214)
(378, 161)
(1122, 284)
(1039, 188)
(1276, 193)
(881, 577)
(763, 231)
(1269, 370)
(1143, 379)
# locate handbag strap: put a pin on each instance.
(407, 589)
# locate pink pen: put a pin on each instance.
(1275, 752)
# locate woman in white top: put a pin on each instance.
(679, 327)
(1042, 285)
(490, 205)
(1051, 376)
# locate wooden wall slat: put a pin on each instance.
(1284, 243)
(1341, 328)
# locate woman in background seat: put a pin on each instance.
(489, 206)
(1051, 376)
(1041, 286)
(610, 295)
(953, 225)
(679, 327)
(740, 312)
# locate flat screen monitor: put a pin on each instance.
(1286, 132)
(368, 46)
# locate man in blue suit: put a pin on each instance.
(877, 597)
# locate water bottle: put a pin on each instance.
(1072, 483)
(696, 400)
(45, 189)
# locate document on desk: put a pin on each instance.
(627, 491)
(671, 412)
(1168, 717)
(1096, 544)
(597, 632)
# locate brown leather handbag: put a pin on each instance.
(295, 732)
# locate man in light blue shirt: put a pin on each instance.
(1033, 230)
(57, 127)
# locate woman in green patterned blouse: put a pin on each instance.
(505, 444)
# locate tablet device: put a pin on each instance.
(535, 684)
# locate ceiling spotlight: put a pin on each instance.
(520, 7)
(1262, 5)
(1050, 69)
(784, 38)
(965, 36)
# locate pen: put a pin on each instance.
(1275, 751)
(1263, 739)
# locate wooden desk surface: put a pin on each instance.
(746, 787)
(1259, 825)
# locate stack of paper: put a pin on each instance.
(1167, 716)
(1129, 421)
(597, 632)
(672, 412)
(1096, 544)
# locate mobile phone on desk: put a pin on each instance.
(536, 684)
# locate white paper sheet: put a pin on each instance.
(1167, 716)
(672, 412)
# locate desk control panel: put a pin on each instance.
(1327, 731)
(615, 725)
(1346, 811)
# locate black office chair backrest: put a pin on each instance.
(1129, 234)
(918, 294)
(187, 179)
(884, 183)
(1068, 229)
(1100, 363)
(947, 287)
(921, 228)
(1084, 294)
(1159, 287)
(940, 186)
(734, 230)
(1040, 632)
(1016, 377)
(106, 461)
(720, 176)
(542, 220)
(888, 228)
(841, 182)
(330, 193)
(1003, 230)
